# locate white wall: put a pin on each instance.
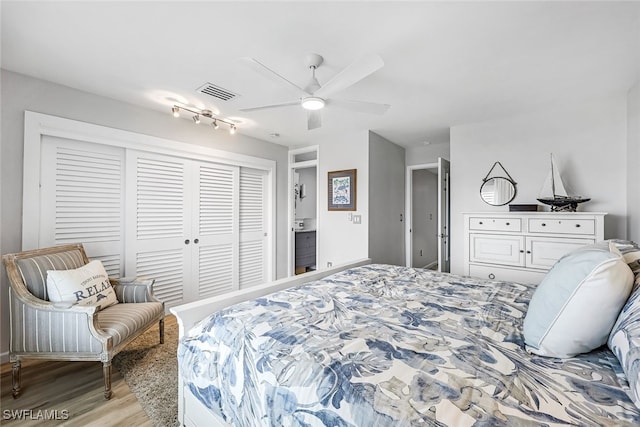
(425, 154)
(589, 141)
(339, 240)
(20, 93)
(386, 201)
(633, 163)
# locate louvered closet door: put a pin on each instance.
(253, 228)
(215, 269)
(159, 223)
(82, 198)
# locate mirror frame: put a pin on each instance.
(507, 178)
(513, 185)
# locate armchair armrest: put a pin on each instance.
(130, 290)
(59, 327)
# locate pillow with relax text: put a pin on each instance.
(575, 306)
(87, 285)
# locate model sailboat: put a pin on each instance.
(554, 194)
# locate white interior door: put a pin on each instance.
(159, 226)
(81, 199)
(253, 260)
(214, 238)
(444, 249)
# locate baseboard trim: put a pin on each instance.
(4, 357)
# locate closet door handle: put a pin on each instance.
(186, 242)
(196, 241)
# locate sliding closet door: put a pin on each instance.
(253, 228)
(159, 223)
(81, 198)
(215, 232)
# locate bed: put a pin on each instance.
(382, 345)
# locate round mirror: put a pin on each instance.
(498, 191)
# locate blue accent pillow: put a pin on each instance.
(624, 339)
(575, 306)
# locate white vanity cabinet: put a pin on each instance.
(523, 246)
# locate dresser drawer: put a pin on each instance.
(544, 252)
(506, 274)
(495, 224)
(562, 226)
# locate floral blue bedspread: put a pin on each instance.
(383, 345)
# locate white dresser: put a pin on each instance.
(523, 246)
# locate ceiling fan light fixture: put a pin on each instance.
(312, 103)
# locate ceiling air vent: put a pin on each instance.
(216, 92)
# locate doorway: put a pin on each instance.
(303, 210)
(427, 214)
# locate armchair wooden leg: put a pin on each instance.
(106, 372)
(161, 327)
(15, 378)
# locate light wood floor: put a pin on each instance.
(75, 387)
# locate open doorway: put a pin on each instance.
(427, 213)
(303, 210)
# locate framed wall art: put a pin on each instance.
(342, 187)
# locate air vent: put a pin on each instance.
(216, 92)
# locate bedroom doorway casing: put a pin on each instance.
(428, 216)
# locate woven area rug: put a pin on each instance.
(150, 370)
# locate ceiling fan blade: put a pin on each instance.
(356, 71)
(269, 73)
(314, 119)
(360, 106)
(266, 107)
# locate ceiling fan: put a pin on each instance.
(314, 96)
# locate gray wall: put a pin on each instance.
(589, 142)
(633, 163)
(386, 200)
(306, 208)
(20, 93)
(424, 216)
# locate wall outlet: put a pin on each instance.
(357, 219)
(329, 264)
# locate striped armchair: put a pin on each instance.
(44, 330)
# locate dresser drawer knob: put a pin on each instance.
(507, 223)
(528, 252)
(578, 225)
(521, 251)
(480, 222)
(544, 225)
(492, 276)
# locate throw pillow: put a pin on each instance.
(87, 285)
(575, 306)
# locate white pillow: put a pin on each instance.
(87, 285)
(575, 306)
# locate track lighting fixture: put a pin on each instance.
(215, 121)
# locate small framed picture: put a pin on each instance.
(342, 190)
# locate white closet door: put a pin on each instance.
(81, 198)
(158, 223)
(253, 228)
(215, 269)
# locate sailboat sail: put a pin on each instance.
(553, 192)
(553, 185)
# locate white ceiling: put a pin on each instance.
(446, 63)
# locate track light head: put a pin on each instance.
(215, 124)
(176, 111)
(196, 119)
(232, 129)
(198, 114)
